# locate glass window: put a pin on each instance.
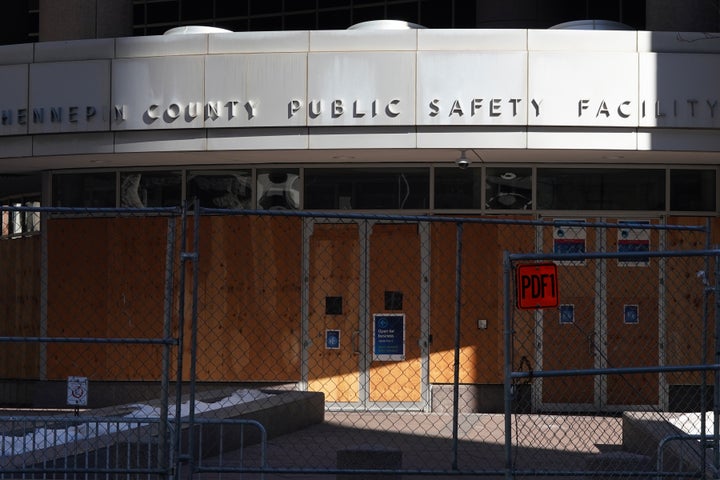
(21, 222)
(220, 189)
(600, 189)
(150, 189)
(278, 189)
(163, 11)
(458, 188)
(95, 190)
(692, 190)
(508, 188)
(367, 188)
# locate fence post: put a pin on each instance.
(193, 256)
(507, 331)
(456, 371)
(165, 446)
(716, 390)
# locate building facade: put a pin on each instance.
(591, 122)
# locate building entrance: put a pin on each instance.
(365, 324)
(604, 317)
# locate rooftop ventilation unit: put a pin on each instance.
(188, 29)
(385, 25)
(591, 25)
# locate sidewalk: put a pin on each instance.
(425, 440)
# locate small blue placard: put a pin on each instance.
(631, 314)
(332, 339)
(389, 336)
(567, 314)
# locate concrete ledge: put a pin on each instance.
(643, 433)
(135, 442)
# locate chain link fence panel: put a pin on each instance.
(621, 373)
(275, 343)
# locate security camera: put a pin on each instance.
(462, 162)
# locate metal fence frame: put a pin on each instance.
(190, 461)
(510, 263)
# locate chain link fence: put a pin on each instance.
(271, 344)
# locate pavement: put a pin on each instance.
(419, 446)
(427, 444)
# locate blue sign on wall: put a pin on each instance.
(332, 339)
(389, 336)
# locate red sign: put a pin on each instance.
(537, 286)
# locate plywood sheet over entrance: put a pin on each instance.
(359, 272)
(633, 317)
(568, 333)
(609, 317)
(395, 271)
(334, 312)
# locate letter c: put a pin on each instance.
(391, 112)
(152, 112)
(622, 112)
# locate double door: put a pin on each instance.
(365, 316)
(609, 317)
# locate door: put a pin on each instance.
(365, 324)
(609, 317)
(633, 317)
(568, 332)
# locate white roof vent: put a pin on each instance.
(591, 25)
(188, 29)
(385, 25)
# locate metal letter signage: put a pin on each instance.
(537, 286)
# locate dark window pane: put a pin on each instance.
(233, 25)
(508, 188)
(465, 13)
(262, 7)
(435, 14)
(458, 188)
(19, 186)
(633, 14)
(367, 188)
(600, 189)
(150, 189)
(305, 21)
(221, 189)
(692, 190)
(196, 10)
(407, 11)
(604, 10)
(265, 24)
(84, 190)
(553, 12)
(299, 5)
(138, 14)
(231, 9)
(334, 19)
(333, 3)
(365, 14)
(162, 12)
(159, 30)
(278, 189)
